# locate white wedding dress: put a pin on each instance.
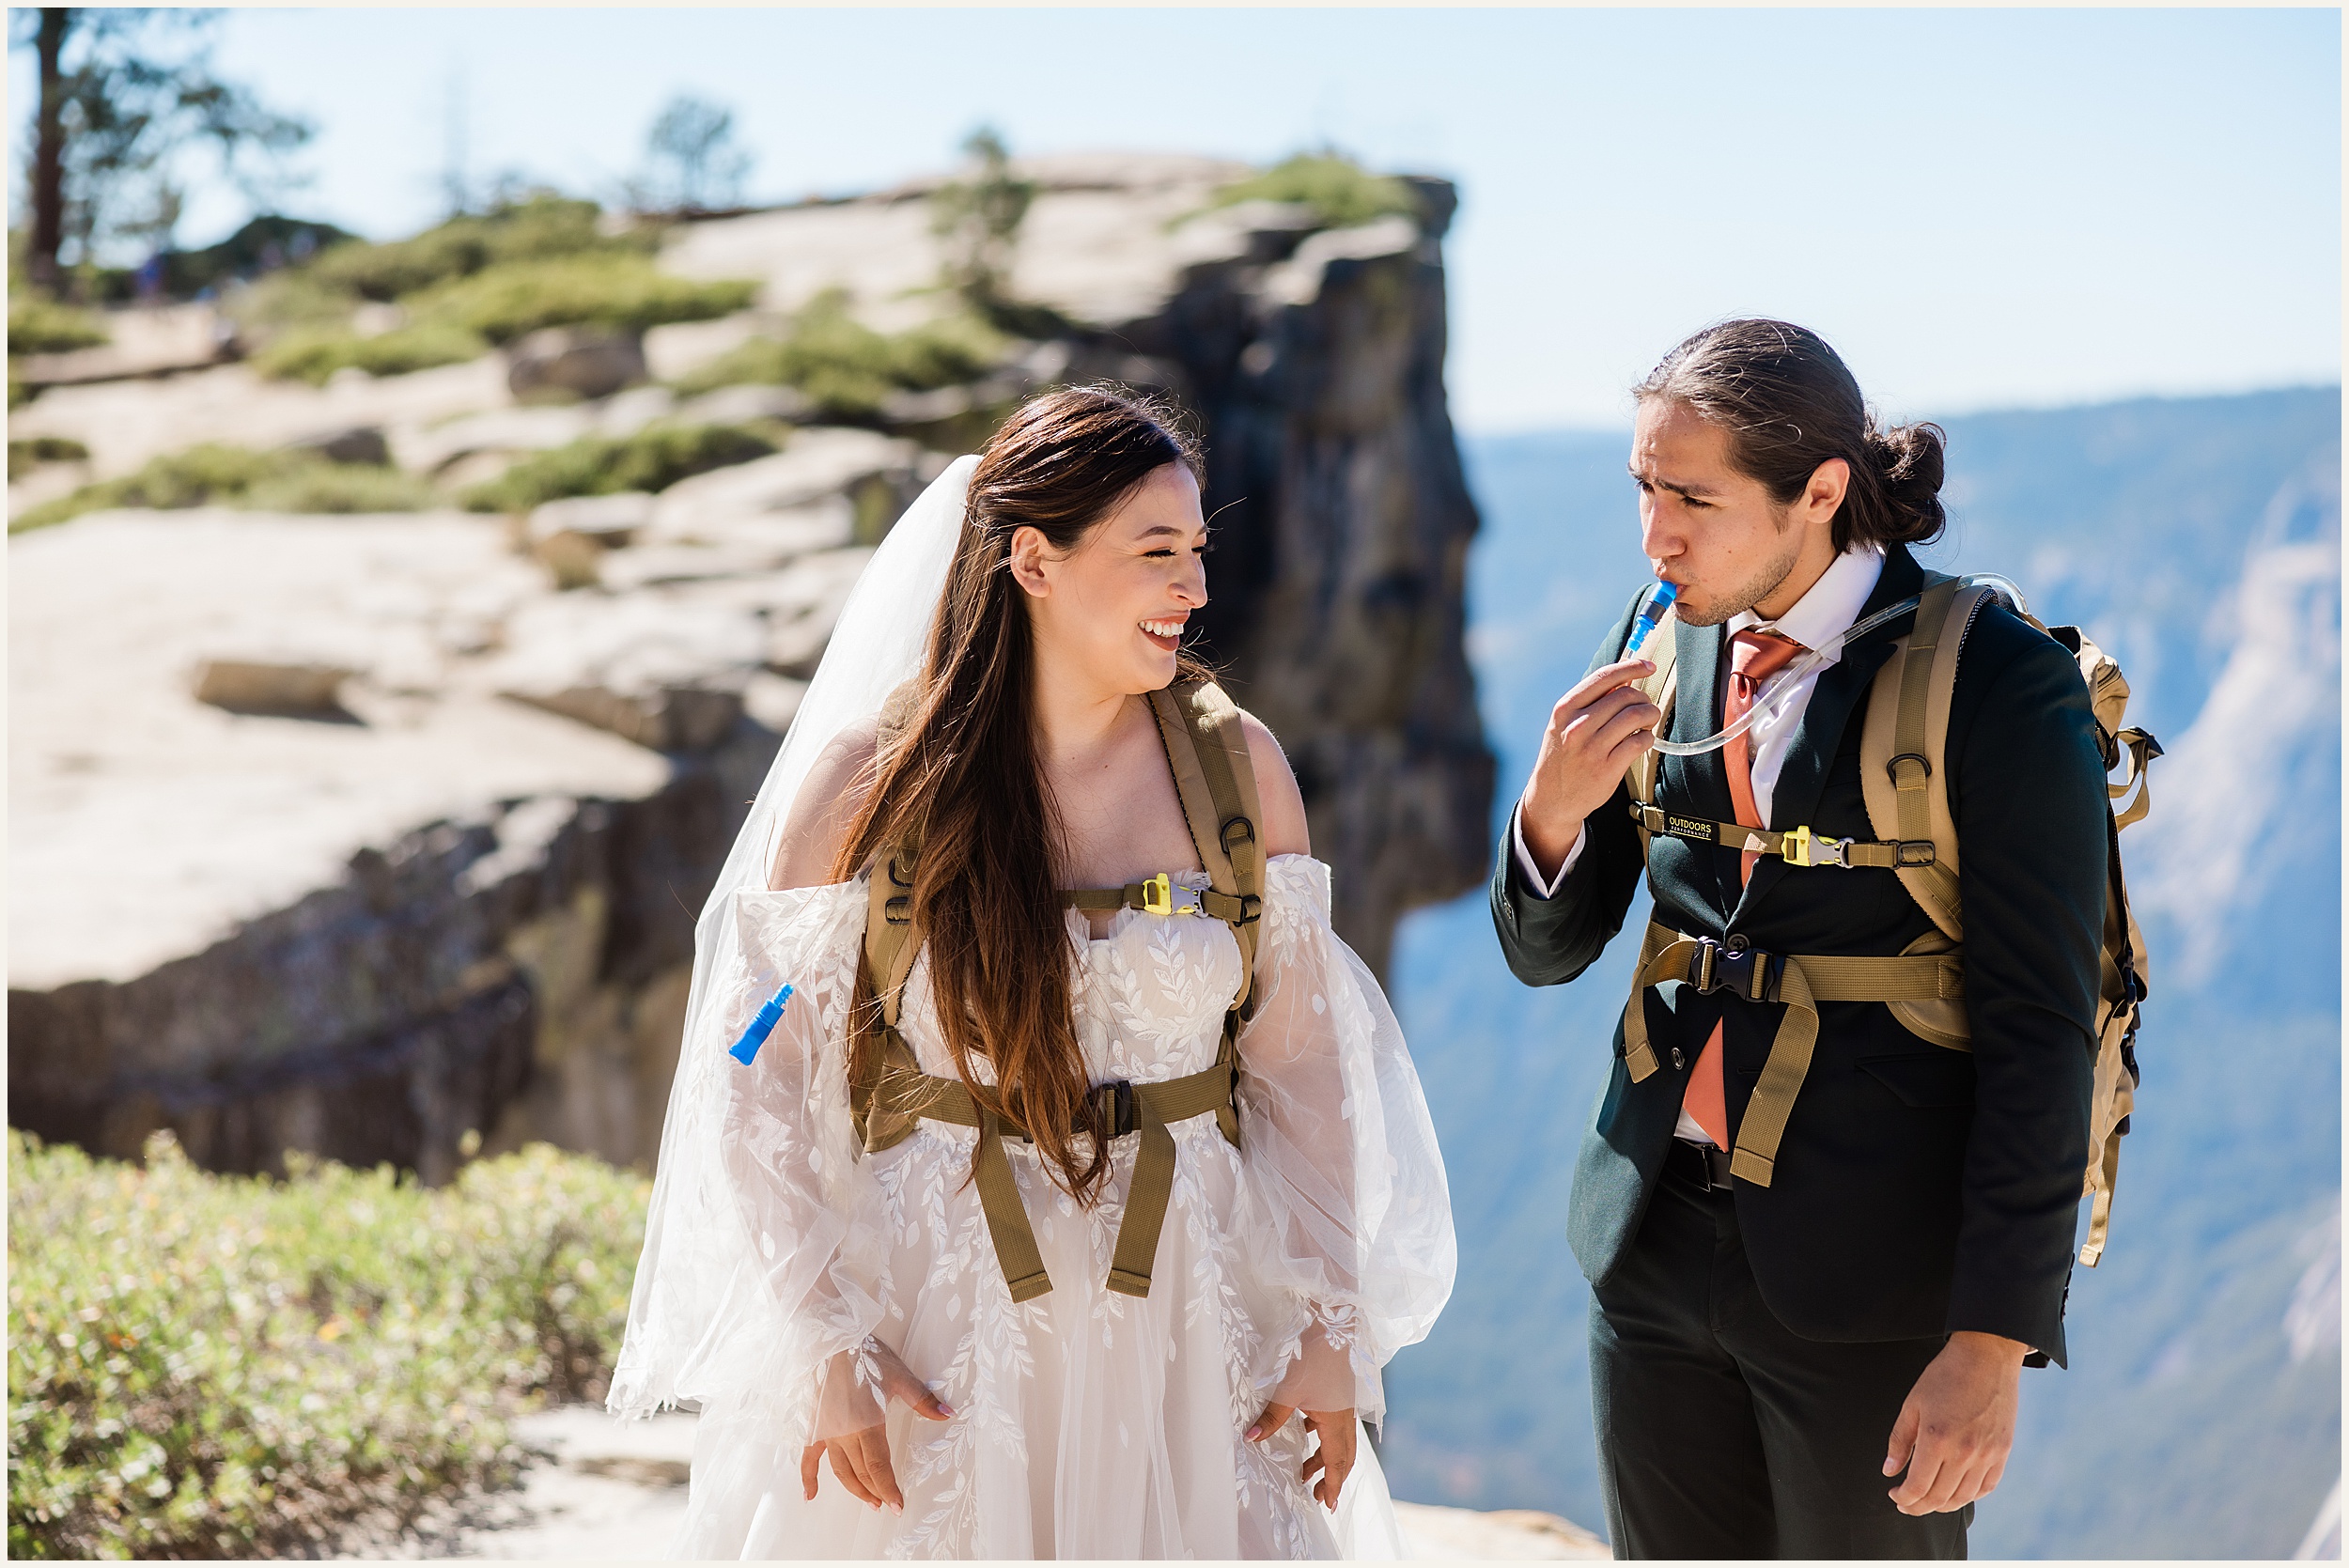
(1087, 1423)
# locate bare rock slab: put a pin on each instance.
(271, 932)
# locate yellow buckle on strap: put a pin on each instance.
(1160, 895)
(1803, 848)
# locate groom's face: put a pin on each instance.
(1707, 528)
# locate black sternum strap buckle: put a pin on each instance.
(1702, 1166)
(1117, 1107)
(1734, 967)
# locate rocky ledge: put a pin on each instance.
(361, 834)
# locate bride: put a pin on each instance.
(966, 1237)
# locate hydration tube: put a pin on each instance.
(1659, 600)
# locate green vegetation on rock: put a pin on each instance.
(28, 454)
(1340, 192)
(225, 1366)
(534, 229)
(214, 474)
(314, 355)
(504, 301)
(653, 459)
(467, 284)
(38, 324)
(846, 369)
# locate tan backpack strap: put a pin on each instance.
(2142, 749)
(1206, 749)
(1796, 846)
(1903, 745)
(1157, 896)
(891, 943)
(1802, 982)
(1016, 1249)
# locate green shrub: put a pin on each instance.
(316, 355)
(468, 284)
(846, 369)
(25, 456)
(219, 1366)
(1340, 192)
(217, 474)
(653, 459)
(38, 324)
(331, 486)
(504, 301)
(529, 230)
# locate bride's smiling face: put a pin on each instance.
(1113, 610)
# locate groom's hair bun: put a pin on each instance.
(1789, 404)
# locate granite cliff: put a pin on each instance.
(361, 835)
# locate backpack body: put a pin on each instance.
(1903, 779)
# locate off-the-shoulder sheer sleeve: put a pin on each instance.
(760, 1254)
(1355, 1221)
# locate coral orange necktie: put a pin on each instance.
(1754, 657)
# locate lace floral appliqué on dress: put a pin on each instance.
(1087, 1423)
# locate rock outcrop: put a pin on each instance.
(424, 859)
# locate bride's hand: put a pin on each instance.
(1333, 1458)
(861, 1458)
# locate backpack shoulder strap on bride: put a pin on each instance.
(1207, 751)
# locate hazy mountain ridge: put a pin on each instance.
(2193, 1422)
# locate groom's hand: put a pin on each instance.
(1596, 731)
(1957, 1426)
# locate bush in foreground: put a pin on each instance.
(206, 1366)
(213, 474)
(653, 459)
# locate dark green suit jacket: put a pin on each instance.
(1918, 1190)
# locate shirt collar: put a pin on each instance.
(1830, 607)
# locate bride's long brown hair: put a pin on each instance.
(962, 779)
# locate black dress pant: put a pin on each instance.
(1721, 1434)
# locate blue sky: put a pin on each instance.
(1979, 208)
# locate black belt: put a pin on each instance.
(1702, 1166)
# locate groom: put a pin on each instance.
(1824, 1365)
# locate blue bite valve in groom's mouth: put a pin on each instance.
(745, 1049)
(1652, 614)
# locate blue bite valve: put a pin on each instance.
(745, 1049)
(1652, 614)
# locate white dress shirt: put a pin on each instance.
(1830, 607)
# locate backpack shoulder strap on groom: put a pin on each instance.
(1904, 780)
(1206, 751)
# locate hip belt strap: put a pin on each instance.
(1140, 1107)
(1801, 984)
